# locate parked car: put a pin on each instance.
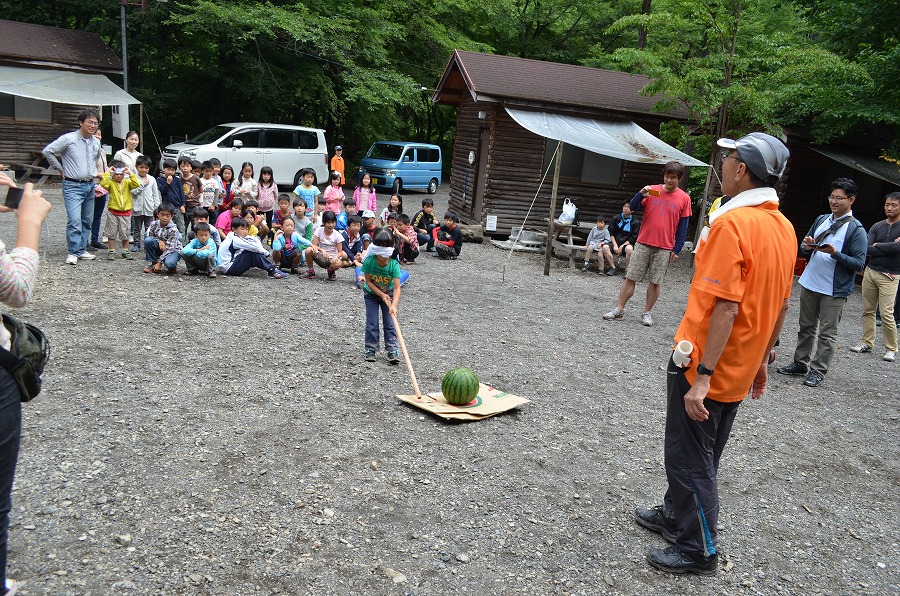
(285, 148)
(402, 164)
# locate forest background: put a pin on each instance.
(365, 70)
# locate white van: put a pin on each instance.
(284, 148)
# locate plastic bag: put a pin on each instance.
(569, 212)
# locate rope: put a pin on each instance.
(530, 207)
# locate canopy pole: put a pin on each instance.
(141, 125)
(548, 251)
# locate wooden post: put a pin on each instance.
(141, 125)
(548, 252)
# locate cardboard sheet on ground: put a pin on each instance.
(489, 402)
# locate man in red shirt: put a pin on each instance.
(667, 211)
(735, 310)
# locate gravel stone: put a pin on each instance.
(232, 428)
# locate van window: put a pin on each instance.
(386, 151)
(250, 138)
(208, 136)
(432, 155)
(279, 139)
(307, 140)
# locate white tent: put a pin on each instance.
(622, 140)
(62, 87)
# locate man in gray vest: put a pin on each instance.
(75, 155)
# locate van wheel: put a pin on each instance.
(432, 186)
(296, 180)
(398, 185)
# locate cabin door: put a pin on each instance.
(480, 177)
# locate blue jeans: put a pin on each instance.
(246, 261)
(79, 200)
(10, 433)
(374, 304)
(152, 252)
(99, 208)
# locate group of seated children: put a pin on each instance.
(599, 241)
(242, 239)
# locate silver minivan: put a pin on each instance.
(285, 148)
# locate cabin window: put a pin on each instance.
(585, 166)
(25, 108)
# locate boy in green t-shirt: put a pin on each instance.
(381, 291)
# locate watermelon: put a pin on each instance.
(460, 386)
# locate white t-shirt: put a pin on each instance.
(330, 244)
(819, 273)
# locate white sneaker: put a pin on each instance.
(890, 356)
(12, 587)
(105, 238)
(614, 315)
(860, 349)
(647, 320)
(71, 259)
(86, 256)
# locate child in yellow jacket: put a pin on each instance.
(119, 182)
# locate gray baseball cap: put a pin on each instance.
(764, 155)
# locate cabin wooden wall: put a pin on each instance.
(19, 139)
(515, 163)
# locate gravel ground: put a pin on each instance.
(224, 436)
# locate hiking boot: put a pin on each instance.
(813, 379)
(655, 519)
(614, 315)
(673, 560)
(647, 320)
(860, 349)
(369, 355)
(393, 357)
(890, 356)
(794, 368)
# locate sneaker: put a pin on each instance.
(112, 255)
(614, 315)
(890, 356)
(813, 379)
(86, 256)
(654, 519)
(96, 244)
(189, 272)
(135, 248)
(673, 560)
(393, 357)
(127, 255)
(12, 587)
(369, 355)
(647, 320)
(860, 349)
(794, 368)
(310, 274)
(877, 320)
(105, 239)
(332, 276)
(612, 271)
(71, 259)
(295, 271)
(277, 274)
(131, 238)
(586, 266)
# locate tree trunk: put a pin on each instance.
(642, 33)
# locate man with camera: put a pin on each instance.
(836, 246)
(75, 155)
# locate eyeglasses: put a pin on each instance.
(836, 198)
(92, 123)
(727, 154)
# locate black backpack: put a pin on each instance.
(28, 353)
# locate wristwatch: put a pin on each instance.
(702, 370)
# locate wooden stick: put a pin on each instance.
(412, 374)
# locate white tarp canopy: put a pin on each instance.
(62, 87)
(622, 140)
